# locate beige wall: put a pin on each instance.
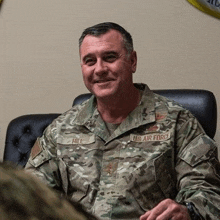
(178, 47)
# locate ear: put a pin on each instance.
(133, 59)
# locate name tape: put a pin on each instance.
(76, 139)
(150, 137)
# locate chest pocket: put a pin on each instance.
(76, 149)
(79, 157)
(152, 180)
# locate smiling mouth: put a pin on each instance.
(103, 81)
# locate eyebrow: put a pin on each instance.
(104, 54)
(111, 52)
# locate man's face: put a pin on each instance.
(106, 66)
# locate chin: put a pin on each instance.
(104, 93)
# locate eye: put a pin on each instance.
(110, 58)
(89, 61)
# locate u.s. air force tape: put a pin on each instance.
(211, 7)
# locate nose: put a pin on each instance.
(100, 67)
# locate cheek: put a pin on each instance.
(87, 78)
(116, 70)
(87, 73)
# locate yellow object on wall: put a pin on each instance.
(211, 7)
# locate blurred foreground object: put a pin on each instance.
(1, 3)
(211, 7)
(24, 197)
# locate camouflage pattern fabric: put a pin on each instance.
(23, 197)
(159, 151)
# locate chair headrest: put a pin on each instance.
(201, 103)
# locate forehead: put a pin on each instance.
(110, 40)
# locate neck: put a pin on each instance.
(115, 109)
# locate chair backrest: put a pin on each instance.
(21, 135)
(23, 131)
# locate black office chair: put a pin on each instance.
(24, 130)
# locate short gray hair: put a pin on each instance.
(103, 28)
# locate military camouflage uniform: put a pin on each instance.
(160, 151)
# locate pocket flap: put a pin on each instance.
(200, 149)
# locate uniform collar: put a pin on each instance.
(144, 113)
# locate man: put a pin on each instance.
(127, 153)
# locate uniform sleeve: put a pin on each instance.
(197, 167)
(43, 162)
